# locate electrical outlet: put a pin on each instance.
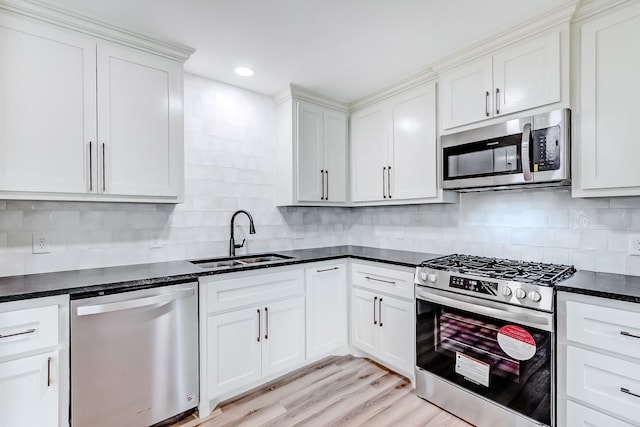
(634, 244)
(41, 243)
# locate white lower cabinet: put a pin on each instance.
(254, 330)
(34, 362)
(29, 392)
(327, 328)
(382, 324)
(598, 362)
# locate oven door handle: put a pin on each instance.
(500, 311)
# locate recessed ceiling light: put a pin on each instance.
(244, 71)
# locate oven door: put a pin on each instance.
(502, 353)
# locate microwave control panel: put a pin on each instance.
(546, 149)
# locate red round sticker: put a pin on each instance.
(516, 342)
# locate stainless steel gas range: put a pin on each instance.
(485, 338)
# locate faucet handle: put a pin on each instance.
(241, 244)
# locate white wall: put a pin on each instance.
(229, 154)
(538, 225)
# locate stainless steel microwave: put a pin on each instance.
(529, 151)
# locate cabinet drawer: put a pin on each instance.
(27, 330)
(600, 380)
(243, 291)
(380, 279)
(581, 416)
(606, 328)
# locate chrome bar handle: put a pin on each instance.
(526, 137)
(104, 184)
(628, 334)
(322, 181)
(266, 317)
(497, 100)
(389, 181)
(90, 166)
(326, 269)
(626, 391)
(380, 311)
(384, 172)
(375, 322)
(49, 372)
(486, 103)
(27, 332)
(380, 280)
(259, 331)
(326, 174)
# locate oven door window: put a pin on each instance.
(504, 362)
(499, 156)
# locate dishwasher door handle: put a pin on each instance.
(134, 303)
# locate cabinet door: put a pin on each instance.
(47, 108)
(466, 94)
(326, 309)
(283, 336)
(414, 172)
(29, 391)
(582, 416)
(397, 333)
(610, 90)
(368, 155)
(310, 152)
(527, 75)
(335, 156)
(364, 321)
(140, 123)
(234, 350)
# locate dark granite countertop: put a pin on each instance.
(129, 277)
(604, 285)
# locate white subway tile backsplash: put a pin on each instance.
(594, 239)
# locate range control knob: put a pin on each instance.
(506, 291)
(520, 293)
(433, 278)
(423, 275)
(535, 296)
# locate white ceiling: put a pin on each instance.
(344, 49)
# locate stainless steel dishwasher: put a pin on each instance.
(134, 356)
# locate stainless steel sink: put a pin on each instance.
(221, 263)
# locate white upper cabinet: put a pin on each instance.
(605, 160)
(394, 150)
(518, 78)
(82, 118)
(311, 154)
(140, 123)
(47, 108)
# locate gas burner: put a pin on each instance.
(538, 273)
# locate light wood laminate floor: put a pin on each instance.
(337, 391)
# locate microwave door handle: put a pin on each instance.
(526, 137)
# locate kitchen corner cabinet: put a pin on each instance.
(598, 361)
(254, 329)
(85, 119)
(605, 160)
(326, 310)
(394, 150)
(382, 315)
(517, 78)
(312, 154)
(34, 363)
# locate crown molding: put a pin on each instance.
(536, 25)
(588, 8)
(294, 91)
(407, 83)
(74, 21)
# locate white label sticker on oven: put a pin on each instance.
(516, 342)
(472, 369)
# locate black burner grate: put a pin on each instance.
(505, 269)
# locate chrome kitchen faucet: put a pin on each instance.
(232, 242)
